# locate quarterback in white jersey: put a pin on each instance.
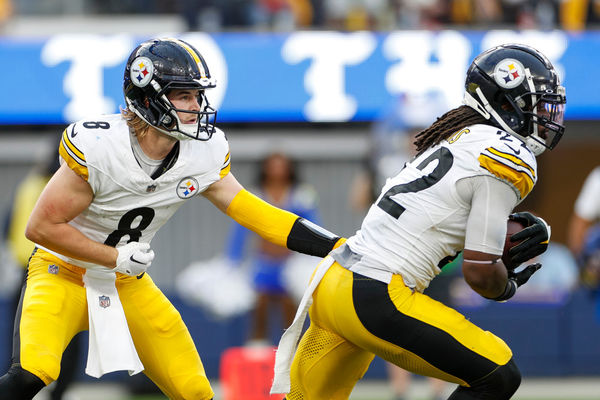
(473, 166)
(122, 177)
(129, 204)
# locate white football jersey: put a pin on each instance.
(420, 219)
(128, 204)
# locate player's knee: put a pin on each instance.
(509, 377)
(19, 384)
(503, 382)
(197, 388)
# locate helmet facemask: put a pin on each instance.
(545, 121)
(170, 123)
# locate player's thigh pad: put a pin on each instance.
(53, 309)
(162, 340)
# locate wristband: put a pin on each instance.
(509, 291)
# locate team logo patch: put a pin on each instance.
(509, 73)
(53, 269)
(104, 301)
(141, 71)
(187, 187)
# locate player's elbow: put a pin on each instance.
(32, 233)
(36, 231)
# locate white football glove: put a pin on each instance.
(134, 258)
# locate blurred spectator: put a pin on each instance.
(531, 14)
(475, 12)
(584, 239)
(6, 11)
(576, 15)
(277, 183)
(586, 212)
(216, 15)
(589, 259)
(350, 15)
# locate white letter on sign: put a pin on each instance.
(325, 78)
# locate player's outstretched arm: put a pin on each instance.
(273, 224)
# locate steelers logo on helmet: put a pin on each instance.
(187, 187)
(509, 73)
(141, 71)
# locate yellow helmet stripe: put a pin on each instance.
(194, 55)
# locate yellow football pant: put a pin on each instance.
(354, 318)
(54, 309)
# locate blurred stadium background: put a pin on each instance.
(310, 78)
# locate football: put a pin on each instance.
(512, 227)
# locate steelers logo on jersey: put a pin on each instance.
(187, 187)
(141, 71)
(509, 73)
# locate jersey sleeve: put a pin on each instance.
(516, 167)
(71, 151)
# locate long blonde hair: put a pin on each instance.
(134, 122)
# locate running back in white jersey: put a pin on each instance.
(128, 204)
(419, 219)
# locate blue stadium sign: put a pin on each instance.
(295, 77)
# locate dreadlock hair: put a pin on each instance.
(446, 125)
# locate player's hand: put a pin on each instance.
(535, 237)
(134, 258)
(523, 276)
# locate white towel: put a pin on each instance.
(110, 345)
(289, 339)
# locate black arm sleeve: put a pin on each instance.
(308, 238)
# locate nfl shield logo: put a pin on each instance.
(53, 269)
(104, 301)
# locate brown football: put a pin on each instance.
(512, 227)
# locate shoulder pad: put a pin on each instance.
(510, 160)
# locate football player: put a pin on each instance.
(122, 177)
(473, 166)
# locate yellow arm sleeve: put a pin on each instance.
(281, 227)
(271, 223)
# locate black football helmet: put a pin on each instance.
(153, 69)
(517, 89)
